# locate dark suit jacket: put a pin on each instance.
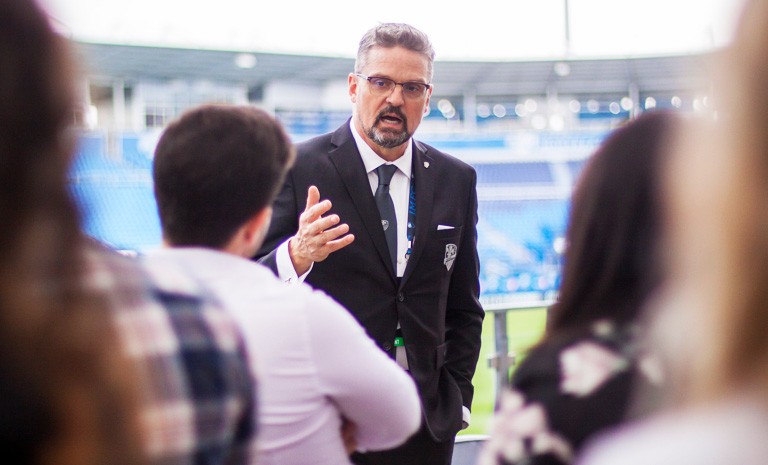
(436, 301)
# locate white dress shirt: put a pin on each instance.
(399, 189)
(313, 363)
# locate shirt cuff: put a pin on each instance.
(465, 417)
(285, 269)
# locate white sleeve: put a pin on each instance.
(368, 387)
(285, 269)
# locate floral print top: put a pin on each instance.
(566, 391)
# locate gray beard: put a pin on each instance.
(387, 140)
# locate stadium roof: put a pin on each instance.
(664, 74)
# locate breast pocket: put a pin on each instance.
(445, 247)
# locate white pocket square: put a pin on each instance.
(441, 227)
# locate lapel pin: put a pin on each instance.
(426, 164)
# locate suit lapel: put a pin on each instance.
(424, 178)
(346, 158)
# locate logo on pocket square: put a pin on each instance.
(450, 255)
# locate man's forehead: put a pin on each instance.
(396, 59)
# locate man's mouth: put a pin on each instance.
(391, 119)
(390, 129)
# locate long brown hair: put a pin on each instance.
(719, 223)
(612, 262)
(61, 391)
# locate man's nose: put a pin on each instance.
(396, 96)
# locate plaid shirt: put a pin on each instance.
(198, 405)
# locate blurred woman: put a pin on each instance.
(65, 392)
(580, 378)
(715, 313)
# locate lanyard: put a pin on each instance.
(411, 216)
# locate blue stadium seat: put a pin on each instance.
(115, 197)
(515, 237)
(514, 173)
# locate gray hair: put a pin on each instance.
(389, 35)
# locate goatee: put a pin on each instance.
(388, 138)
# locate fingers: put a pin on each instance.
(330, 240)
(333, 246)
(323, 224)
(313, 223)
(348, 435)
(314, 210)
(318, 235)
(313, 196)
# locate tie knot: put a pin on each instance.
(385, 173)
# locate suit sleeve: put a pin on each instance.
(464, 314)
(284, 224)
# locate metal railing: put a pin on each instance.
(502, 360)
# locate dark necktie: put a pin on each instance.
(387, 209)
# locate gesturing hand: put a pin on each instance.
(318, 236)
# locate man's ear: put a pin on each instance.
(352, 87)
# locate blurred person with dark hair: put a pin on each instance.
(713, 316)
(581, 377)
(404, 261)
(99, 365)
(66, 393)
(324, 386)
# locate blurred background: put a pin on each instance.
(523, 90)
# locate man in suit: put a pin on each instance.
(406, 268)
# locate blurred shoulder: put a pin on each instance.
(720, 434)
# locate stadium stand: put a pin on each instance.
(514, 173)
(522, 207)
(115, 195)
(527, 128)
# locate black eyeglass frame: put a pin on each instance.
(407, 93)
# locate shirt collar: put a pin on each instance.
(372, 161)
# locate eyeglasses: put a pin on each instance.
(385, 86)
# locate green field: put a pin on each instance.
(524, 328)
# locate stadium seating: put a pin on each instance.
(115, 196)
(514, 173)
(518, 235)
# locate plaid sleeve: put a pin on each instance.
(199, 397)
